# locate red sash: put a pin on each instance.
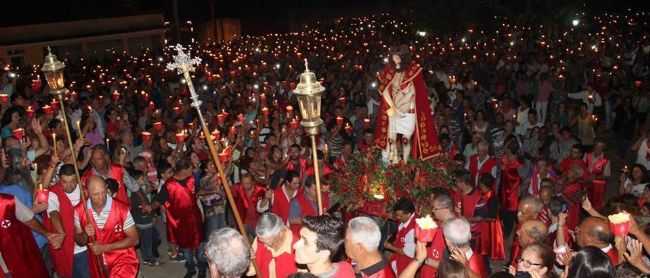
(280, 204)
(490, 242)
(285, 264)
(17, 244)
(477, 265)
(486, 168)
(122, 263)
(184, 224)
(399, 242)
(434, 252)
(308, 208)
(598, 186)
(247, 205)
(510, 182)
(117, 173)
(63, 257)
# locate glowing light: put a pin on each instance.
(575, 22)
(422, 33)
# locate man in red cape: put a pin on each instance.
(18, 250)
(247, 194)
(102, 166)
(184, 222)
(405, 109)
(112, 233)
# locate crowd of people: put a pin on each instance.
(530, 112)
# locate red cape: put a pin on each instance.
(425, 140)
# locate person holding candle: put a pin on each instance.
(247, 193)
(11, 120)
(101, 166)
(71, 261)
(278, 200)
(109, 231)
(403, 244)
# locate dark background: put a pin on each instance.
(263, 16)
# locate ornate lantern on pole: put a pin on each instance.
(309, 92)
(53, 70)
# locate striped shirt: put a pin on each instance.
(100, 219)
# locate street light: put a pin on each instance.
(309, 92)
(53, 70)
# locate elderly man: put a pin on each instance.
(228, 254)
(110, 235)
(320, 239)
(529, 232)
(102, 166)
(529, 209)
(362, 239)
(594, 231)
(482, 163)
(458, 237)
(443, 210)
(273, 248)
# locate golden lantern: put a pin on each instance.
(53, 70)
(309, 92)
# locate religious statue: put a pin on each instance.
(405, 110)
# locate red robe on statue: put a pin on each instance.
(116, 172)
(510, 183)
(425, 139)
(247, 203)
(17, 245)
(64, 256)
(121, 263)
(184, 224)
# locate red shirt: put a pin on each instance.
(434, 252)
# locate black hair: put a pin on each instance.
(404, 54)
(163, 166)
(67, 170)
(182, 164)
(330, 233)
(136, 174)
(557, 204)
(310, 181)
(290, 175)
(486, 179)
(590, 262)
(404, 205)
(112, 185)
(462, 175)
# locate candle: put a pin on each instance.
(339, 120)
(108, 143)
(152, 105)
(265, 111)
(146, 136)
(4, 98)
(221, 118)
(294, 124)
(48, 109)
(81, 132)
(116, 96)
(30, 112)
(158, 126)
(54, 142)
(42, 194)
(55, 104)
(263, 98)
(233, 130)
(366, 123)
(180, 138)
(19, 133)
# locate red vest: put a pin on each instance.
(307, 209)
(386, 272)
(598, 186)
(285, 264)
(117, 173)
(510, 183)
(568, 163)
(63, 257)
(121, 263)
(468, 203)
(17, 244)
(486, 168)
(571, 193)
(399, 242)
(247, 204)
(184, 224)
(477, 264)
(613, 256)
(280, 204)
(434, 252)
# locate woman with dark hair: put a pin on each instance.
(590, 262)
(11, 120)
(511, 179)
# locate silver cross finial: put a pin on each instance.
(183, 61)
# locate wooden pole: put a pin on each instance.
(314, 154)
(215, 159)
(68, 136)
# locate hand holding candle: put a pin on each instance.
(619, 223)
(425, 228)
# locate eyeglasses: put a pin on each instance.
(527, 263)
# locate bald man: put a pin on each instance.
(594, 231)
(529, 209)
(529, 232)
(111, 235)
